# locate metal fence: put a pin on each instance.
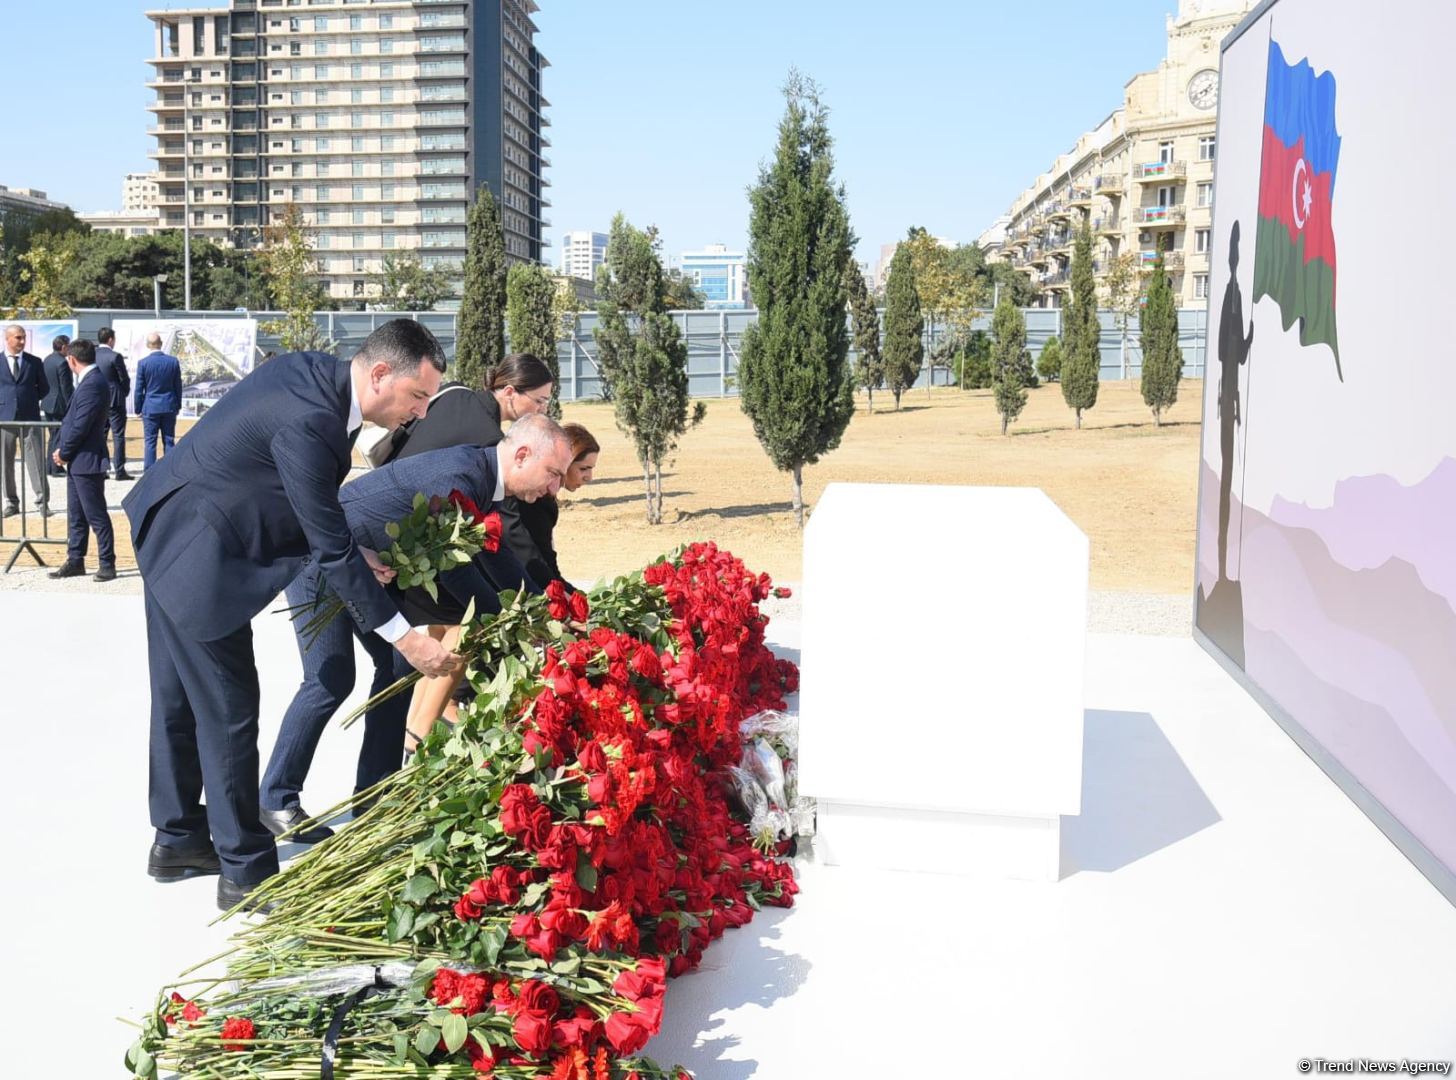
(714, 341)
(31, 528)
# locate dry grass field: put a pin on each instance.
(1131, 486)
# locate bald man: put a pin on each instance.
(158, 398)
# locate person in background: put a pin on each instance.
(528, 526)
(81, 448)
(460, 416)
(22, 386)
(112, 365)
(528, 463)
(158, 398)
(62, 385)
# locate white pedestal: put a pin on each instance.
(942, 674)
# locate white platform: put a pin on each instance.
(1224, 910)
(945, 733)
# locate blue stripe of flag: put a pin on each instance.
(1297, 102)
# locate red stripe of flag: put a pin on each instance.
(1278, 194)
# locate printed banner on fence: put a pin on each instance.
(215, 353)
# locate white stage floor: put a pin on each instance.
(1224, 910)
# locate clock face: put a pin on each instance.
(1203, 89)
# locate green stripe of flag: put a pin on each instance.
(1304, 291)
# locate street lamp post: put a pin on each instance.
(186, 209)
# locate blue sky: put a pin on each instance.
(941, 110)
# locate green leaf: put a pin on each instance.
(401, 1048)
(586, 873)
(426, 1040)
(533, 893)
(401, 922)
(420, 888)
(391, 530)
(420, 500)
(455, 1032)
(422, 563)
(569, 966)
(431, 588)
(493, 940)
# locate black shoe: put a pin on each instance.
(43, 510)
(70, 569)
(230, 895)
(106, 573)
(123, 475)
(11, 511)
(174, 864)
(279, 822)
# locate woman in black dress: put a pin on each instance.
(528, 526)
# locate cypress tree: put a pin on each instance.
(531, 316)
(794, 376)
(1049, 363)
(480, 343)
(869, 366)
(978, 361)
(1081, 333)
(904, 327)
(1162, 359)
(1009, 361)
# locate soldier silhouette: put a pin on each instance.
(1233, 352)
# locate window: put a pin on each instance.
(386, 94)
(321, 48)
(358, 168)
(386, 70)
(1165, 151)
(297, 146)
(1200, 240)
(356, 47)
(321, 193)
(358, 288)
(386, 22)
(320, 97)
(358, 239)
(356, 120)
(321, 71)
(386, 118)
(1167, 196)
(320, 22)
(296, 193)
(386, 215)
(386, 45)
(197, 146)
(323, 238)
(322, 217)
(358, 195)
(358, 264)
(295, 71)
(356, 71)
(386, 191)
(356, 96)
(386, 167)
(358, 216)
(1205, 148)
(320, 120)
(296, 97)
(356, 22)
(356, 144)
(321, 144)
(1205, 194)
(1200, 286)
(386, 142)
(387, 238)
(293, 25)
(321, 169)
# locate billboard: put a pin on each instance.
(1327, 498)
(39, 333)
(215, 353)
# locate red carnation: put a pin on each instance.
(191, 1013)
(236, 1027)
(492, 524)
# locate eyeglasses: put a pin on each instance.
(541, 403)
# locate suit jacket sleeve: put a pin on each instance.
(78, 421)
(42, 384)
(176, 381)
(141, 387)
(309, 454)
(123, 378)
(68, 386)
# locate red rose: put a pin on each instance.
(580, 609)
(236, 1027)
(592, 757)
(466, 505)
(556, 603)
(627, 1032)
(537, 997)
(533, 1032)
(504, 882)
(466, 910)
(492, 524)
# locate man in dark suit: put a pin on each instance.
(158, 398)
(370, 503)
(220, 526)
(22, 386)
(81, 448)
(58, 397)
(113, 365)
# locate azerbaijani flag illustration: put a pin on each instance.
(1294, 249)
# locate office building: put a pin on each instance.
(22, 204)
(582, 252)
(719, 274)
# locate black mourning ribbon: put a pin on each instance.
(336, 1025)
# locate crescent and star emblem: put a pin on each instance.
(1302, 195)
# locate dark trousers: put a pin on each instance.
(204, 738)
(51, 466)
(164, 424)
(85, 512)
(116, 419)
(328, 678)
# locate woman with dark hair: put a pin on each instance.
(459, 416)
(528, 527)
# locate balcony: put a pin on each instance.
(1154, 172)
(167, 103)
(1057, 211)
(1159, 217)
(1108, 184)
(1108, 225)
(1061, 241)
(1172, 261)
(1056, 279)
(1079, 196)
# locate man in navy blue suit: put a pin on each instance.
(220, 526)
(58, 397)
(81, 448)
(158, 398)
(536, 454)
(22, 386)
(113, 365)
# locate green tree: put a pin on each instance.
(531, 318)
(904, 328)
(1081, 332)
(41, 268)
(1162, 359)
(1049, 363)
(1010, 364)
(869, 365)
(795, 381)
(288, 261)
(1124, 284)
(935, 285)
(681, 293)
(641, 356)
(480, 342)
(404, 283)
(973, 370)
(17, 234)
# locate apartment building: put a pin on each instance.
(378, 120)
(582, 251)
(1143, 177)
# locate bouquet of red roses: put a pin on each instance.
(438, 535)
